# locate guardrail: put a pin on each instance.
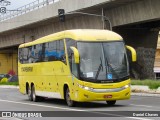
(25, 9)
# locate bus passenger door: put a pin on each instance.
(61, 69)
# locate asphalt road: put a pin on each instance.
(12, 100)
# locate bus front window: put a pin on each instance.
(103, 61)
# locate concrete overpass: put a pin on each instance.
(138, 21)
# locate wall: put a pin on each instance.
(145, 43)
(8, 62)
(78, 22)
(137, 12)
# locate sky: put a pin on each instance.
(17, 3)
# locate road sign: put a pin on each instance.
(2, 9)
(109, 76)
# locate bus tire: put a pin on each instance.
(111, 103)
(29, 94)
(34, 96)
(69, 102)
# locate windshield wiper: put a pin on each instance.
(113, 70)
(99, 68)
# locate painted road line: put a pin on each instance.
(141, 105)
(147, 107)
(137, 118)
(47, 106)
(2, 118)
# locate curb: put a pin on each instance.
(145, 94)
(9, 86)
(144, 89)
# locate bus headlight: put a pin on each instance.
(85, 87)
(126, 86)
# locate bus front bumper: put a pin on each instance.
(86, 95)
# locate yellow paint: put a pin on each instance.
(80, 35)
(52, 76)
(8, 62)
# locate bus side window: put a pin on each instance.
(30, 57)
(36, 53)
(74, 68)
(69, 43)
(60, 51)
(50, 51)
(25, 55)
(20, 55)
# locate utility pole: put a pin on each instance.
(61, 13)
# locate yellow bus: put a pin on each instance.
(76, 65)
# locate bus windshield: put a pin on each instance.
(103, 61)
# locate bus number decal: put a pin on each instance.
(27, 69)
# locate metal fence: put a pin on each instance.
(26, 8)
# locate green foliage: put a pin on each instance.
(153, 84)
(4, 80)
(9, 83)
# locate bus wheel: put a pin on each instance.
(34, 97)
(30, 94)
(69, 102)
(111, 102)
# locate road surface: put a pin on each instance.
(12, 100)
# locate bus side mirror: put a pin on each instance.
(76, 54)
(133, 53)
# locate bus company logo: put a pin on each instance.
(4, 3)
(27, 69)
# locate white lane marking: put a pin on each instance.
(141, 105)
(137, 118)
(47, 106)
(2, 118)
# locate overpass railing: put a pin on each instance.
(25, 9)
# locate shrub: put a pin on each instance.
(4, 80)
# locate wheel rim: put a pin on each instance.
(33, 94)
(29, 94)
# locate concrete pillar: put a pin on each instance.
(145, 43)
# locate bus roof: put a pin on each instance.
(79, 35)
